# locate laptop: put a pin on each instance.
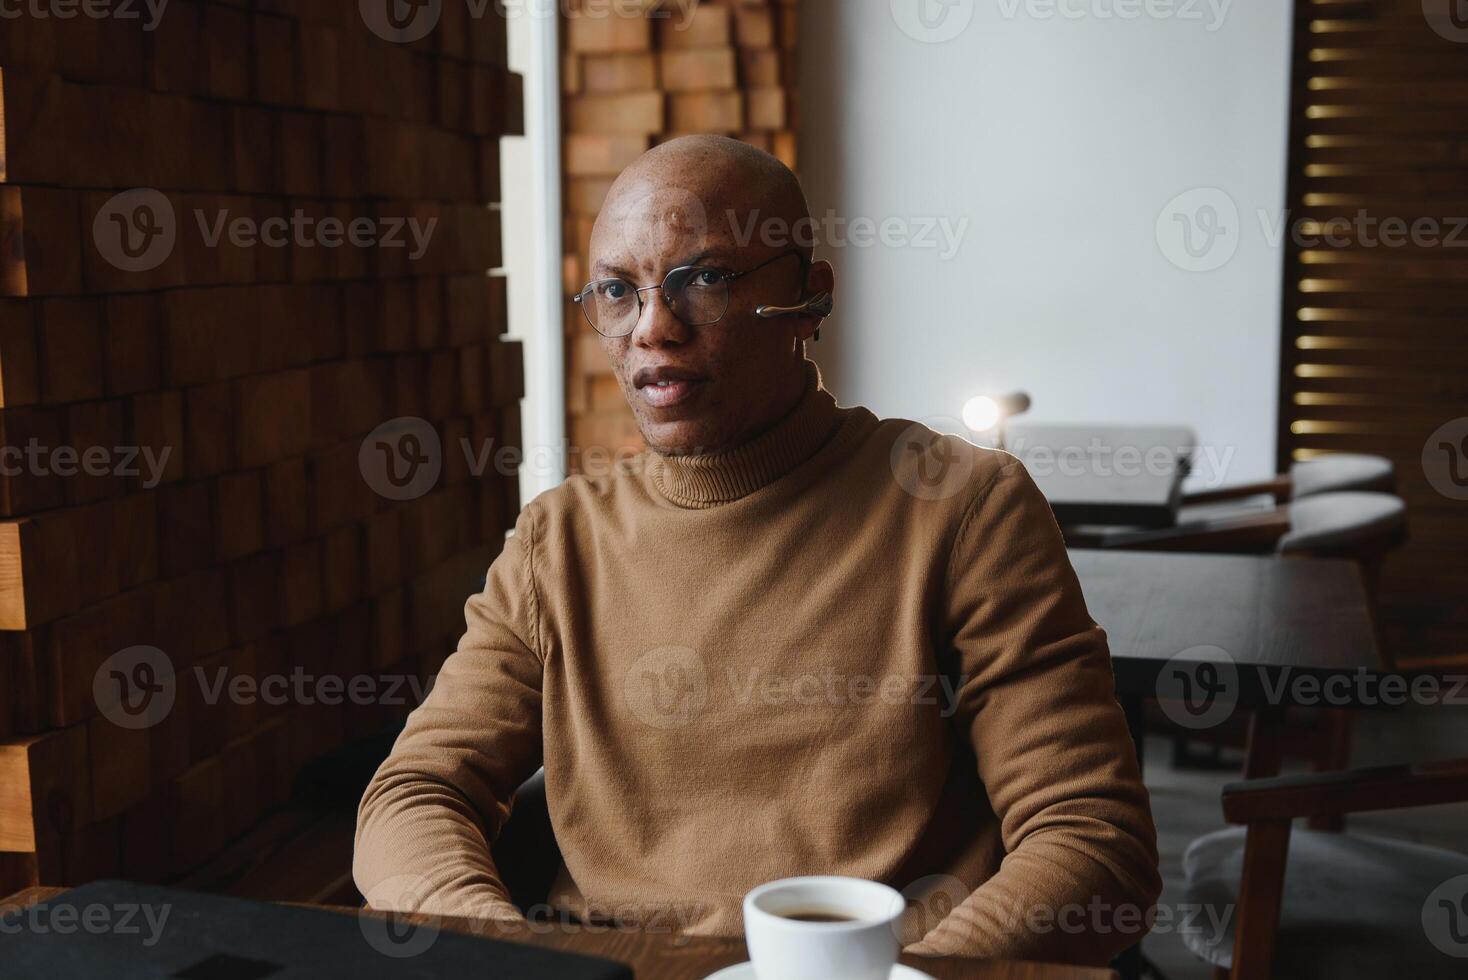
(124, 931)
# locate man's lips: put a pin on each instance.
(665, 387)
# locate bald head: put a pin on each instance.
(739, 215)
(728, 185)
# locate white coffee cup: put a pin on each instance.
(861, 947)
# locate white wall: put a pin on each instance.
(531, 222)
(1060, 141)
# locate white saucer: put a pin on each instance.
(745, 971)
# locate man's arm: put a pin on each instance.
(428, 817)
(1038, 703)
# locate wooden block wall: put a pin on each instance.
(260, 549)
(1374, 355)
(628, 83)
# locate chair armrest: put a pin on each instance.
(1278, 488)
(1241, 533)
(1348, 791)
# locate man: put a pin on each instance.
(731, 655)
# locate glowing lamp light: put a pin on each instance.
(985, 413)
(981, 413)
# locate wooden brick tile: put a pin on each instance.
(589, 34)
(211, 417)
(320, 75)
(383, 559)
(239, 514)
(754, 27)
(605, 74)
(636, 113)
(300, 583)
(274, 418)
(342, 567)
(131, 353)
(40, 231)
(43, 787)
(705, 26)
(759, 68)
(255, 595)
(157, 429)
(19, 369)
(96, 434)
(120, 765)
(697, 69)
(287, 502)
(175, 59)
(253, 139)
(766, 108)
(277, 60)
(39, 571)
(185, 524)
(706, 112)
(600, 156)
(227, 56)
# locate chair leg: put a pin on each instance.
(1266, 743)
(1266, 849)
(1333, 755)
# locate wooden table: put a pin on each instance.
(1122, 475)
(665, 956)
(1278, 620)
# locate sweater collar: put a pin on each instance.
(711, 479)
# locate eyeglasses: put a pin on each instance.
(698, 295)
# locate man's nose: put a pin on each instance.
(658, 327)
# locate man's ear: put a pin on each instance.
(820, 278)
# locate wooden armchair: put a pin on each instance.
(1324, 474)
(1327, 904)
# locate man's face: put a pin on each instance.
(722, 382)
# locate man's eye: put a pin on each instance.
(614, 290)
(706, 277)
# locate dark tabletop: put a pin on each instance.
(1274, 617)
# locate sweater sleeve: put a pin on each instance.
(425, 824)
(1037, 701)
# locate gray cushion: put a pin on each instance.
(1340, 520)
(1341, 471)
(1353, 905)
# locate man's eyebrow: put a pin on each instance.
(606, 270)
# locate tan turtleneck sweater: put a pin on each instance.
(734, 668)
